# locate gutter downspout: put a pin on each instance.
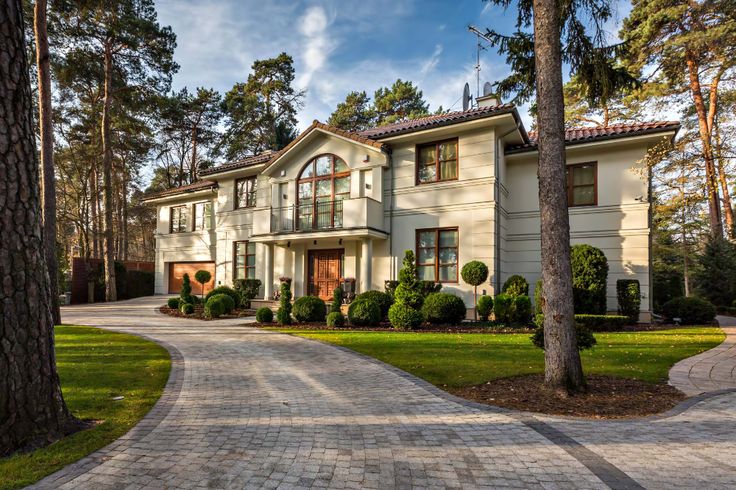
(497, 217)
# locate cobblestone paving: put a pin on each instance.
(252, 409)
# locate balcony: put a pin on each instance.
(307, 217)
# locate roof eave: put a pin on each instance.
(179, 195)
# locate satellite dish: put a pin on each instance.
(487, 89)
(466, 97)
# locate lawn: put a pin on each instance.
(458, 360)
(95, 365)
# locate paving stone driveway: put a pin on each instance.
(248, 408)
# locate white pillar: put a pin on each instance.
(268, 269)
(366, 264)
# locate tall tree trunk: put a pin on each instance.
(124, 197)
(32, 409)
(48, 181)
(193, 169)
(563, 370)
(93, 200)
(714, 204)
(109, 259)
(721, 167)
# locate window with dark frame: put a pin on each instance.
(179, 217)
(582, 184)
(202, 216)
(245, 260)
(437, 162)
(245, 192)
(437, 254)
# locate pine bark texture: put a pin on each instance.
(32, 410)
(109, 241)
(563, 369)
(48, 180)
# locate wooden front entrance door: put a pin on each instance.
(325, 271)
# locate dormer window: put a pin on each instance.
(437, 162)
(245, 192)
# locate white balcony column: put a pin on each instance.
(366, 264)
(268, 269)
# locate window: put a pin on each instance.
(582, 184)
(322, 186)
(202, 216)
(437, 162)
(245, 260)
(437, 253)
(245, 193)
(179, 217)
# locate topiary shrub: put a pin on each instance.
(474, 273)
(227, 302)
(283, 315)
(214, 307)
(335, 319)
(390, 287)
(336, 300)
(589, 276)
(383, 300)
(538, 297)
(409, 291)
(629, 298)
(443, 309)
(516, 285)
(264, 315)
(173, 303)
(247, 289)
(429, 287)
(502, 306)
(234, 295)
(689, 310)
(521, 310)
(309, 309)
(585, 338)
(186, 308)
(186, 289)
(202, 277)
(364, 312)
(485, 307)
(404, 317)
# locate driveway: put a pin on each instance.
(250, 408)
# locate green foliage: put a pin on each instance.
(390, 287)
(186, 308)
(629, 299)
(443, 309)
(186, 289)
(228, 303)
(173, 303)
(589, 278)
(353, 114)
(214, 307)
(410, 290)
(521, 310)
(502, 308)
(485, 307)
(203, 277)
(336, 300)
(474, 273)
(234, 295)
(429, 287)
(309, 309)
(364, 312)
(585, 338)
(690, 310)
(264, 315)
(283, 315)
(383, 300)
(248, 290)
(516, 285)
(335, 319)
(404, 317)
(715, 278)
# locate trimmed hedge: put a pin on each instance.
(585, 338)
(443, 309)
(628, 292)
(214, 307)
(234, 295)
(173, 303)
(690, 310)
(502, 306)
(589, 277)
(335, 319)
(516, 285)
(364, 312)
(485, 307)
(521, 311)
(227, 302)
(264, 315)
(404, 317)
(309, 309)
(383, 300)
(247, 289)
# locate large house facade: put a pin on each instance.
(452, 188)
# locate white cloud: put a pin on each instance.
(317, 43)
(432, 62)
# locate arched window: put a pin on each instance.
(323, 183)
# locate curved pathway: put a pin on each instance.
(247, 408)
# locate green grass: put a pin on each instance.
(457, 360)
(95, 366)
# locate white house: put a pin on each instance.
(453, 188)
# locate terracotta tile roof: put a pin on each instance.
(584, 135)
(435, 121)
(197, 186)
(242, 163)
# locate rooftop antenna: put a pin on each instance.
(481, 36)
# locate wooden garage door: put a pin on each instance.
(178, 269)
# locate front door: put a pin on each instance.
(325, 271)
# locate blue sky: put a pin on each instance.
(339, 46)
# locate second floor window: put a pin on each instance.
(245, 193)
(202, 216)
(179, 217)
(582, 184)
(437, 162)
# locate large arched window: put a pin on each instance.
(323, 183)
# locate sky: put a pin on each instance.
(341, 45)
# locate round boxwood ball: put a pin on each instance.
(335, 320)
(214, 307)
(225, 290)
(227, 302)
(404, 317)
(264, 315)
(443, 309)
(309, 309)
(173, 303)
(474, 272)
(383, 300)
(186, 308)
(364, 312)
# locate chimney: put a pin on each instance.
(490, 100)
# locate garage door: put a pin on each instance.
(178, 269)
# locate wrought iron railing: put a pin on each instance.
(307, 217)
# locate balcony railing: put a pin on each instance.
(307, 217)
